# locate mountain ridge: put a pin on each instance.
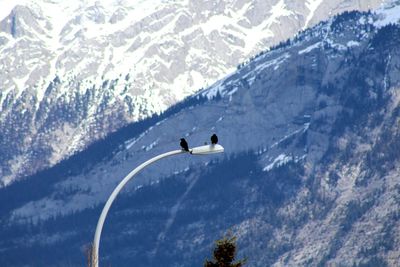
(84, 69)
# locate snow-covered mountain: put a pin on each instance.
(73, 71)
(310, 176)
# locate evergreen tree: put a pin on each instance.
(224, 253)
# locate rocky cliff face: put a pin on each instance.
(72, 72)
(310, 175)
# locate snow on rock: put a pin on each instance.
(280, 160)
(310, 48)
(312, 5)
(389, 13)
(352, 43)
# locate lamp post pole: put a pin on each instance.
(201, 150)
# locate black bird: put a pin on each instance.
(184, 144)
(214, 139)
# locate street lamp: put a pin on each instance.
(200, 150)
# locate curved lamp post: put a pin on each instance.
(200, 150)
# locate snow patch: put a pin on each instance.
(388, 14)
(302, 130)
(261, 31)
(278, 10)
(352, 43)
(312, 5)
(151, 146)
(130, 143)
(281, 160)
(310, 48)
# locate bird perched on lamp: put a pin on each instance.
(214, 139)
(184, 145)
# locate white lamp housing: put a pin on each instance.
(207, 149)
